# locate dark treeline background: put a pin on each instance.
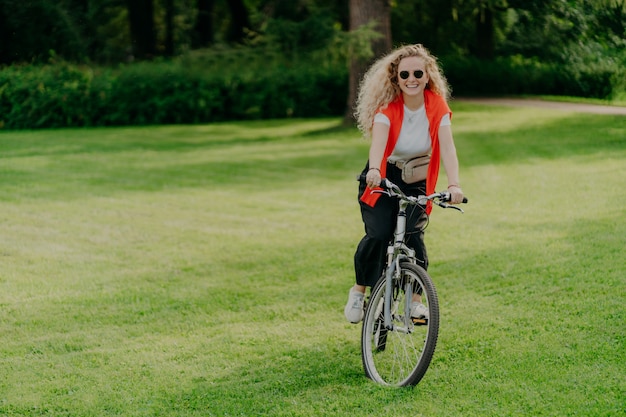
(227, 48)
(112, 31)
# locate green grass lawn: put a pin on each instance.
(203, 270)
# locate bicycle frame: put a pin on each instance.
(398, 251)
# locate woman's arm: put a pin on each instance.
(380, 133)
(450, 163)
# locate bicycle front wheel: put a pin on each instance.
(401, 354)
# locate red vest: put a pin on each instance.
(436, 107)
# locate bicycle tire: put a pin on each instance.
(393, 357)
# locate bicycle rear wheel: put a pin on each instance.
(401, 355)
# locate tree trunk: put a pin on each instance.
(141, 19)
(485, 42)
(169, 27)
(6, 38)
(361, 13)
(203, 30)
(239, 20)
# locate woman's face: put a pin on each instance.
(412, 76)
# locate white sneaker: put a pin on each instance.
(354, 307)
(419, 310)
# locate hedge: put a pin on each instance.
(522, 76)
(65, 95)
(160, 93)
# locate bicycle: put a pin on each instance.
(396, 349)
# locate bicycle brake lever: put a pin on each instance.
(446, 205)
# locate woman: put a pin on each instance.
(402, 106)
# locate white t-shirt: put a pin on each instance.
(414, 138)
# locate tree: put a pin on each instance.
(170, 10)
(38, 30)
(364, 12)
(203, 29)
(141, 20)
(485, 45)
(240, 21)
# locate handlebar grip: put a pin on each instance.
(447, 196)
(383, 182)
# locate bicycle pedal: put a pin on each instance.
(419, 321)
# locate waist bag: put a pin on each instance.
(415, 169)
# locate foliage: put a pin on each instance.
(517, 75)
(570, 47)
(292, 37)
(30, 30)
(202, 271)
(167, 92)
(221, 83)
(97, 30)
(51, 96)
(296, 60)
(558, 32)
(238, 84)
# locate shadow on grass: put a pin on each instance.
(525, 137)
(339, 129)
(176, 138)
(303, 380)
(169, 157)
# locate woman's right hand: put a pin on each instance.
(373, 178)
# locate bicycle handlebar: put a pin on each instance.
(441, 199)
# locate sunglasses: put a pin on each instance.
(417, 73)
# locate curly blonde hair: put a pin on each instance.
(379, 86)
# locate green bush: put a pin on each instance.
(164, 93)
(239, 86)
(519, 76)
(53, 96)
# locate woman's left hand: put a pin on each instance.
(456, 194)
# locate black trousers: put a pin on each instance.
(380, 223)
